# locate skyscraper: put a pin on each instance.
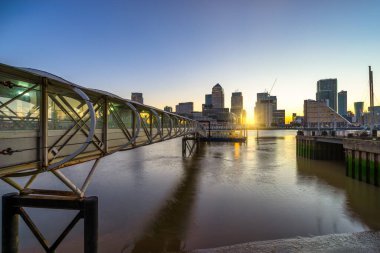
(237, 104)
(358, 106)
(266, 113)
(264, 108)
(217, 96)
(342, 103)
(327, 92)
(137, 97)
(208, 100)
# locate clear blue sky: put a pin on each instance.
(175, 51)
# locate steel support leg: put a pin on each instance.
(90, 225)
(13, 205)
(9, 225)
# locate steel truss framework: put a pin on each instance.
(48, 123)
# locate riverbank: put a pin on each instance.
(368, 241)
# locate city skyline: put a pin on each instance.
(174, 51)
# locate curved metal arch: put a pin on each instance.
(182, 127)
(177, 129)
(189, 127)
(90, 134)
(138, 126)
(158, 125)
(170, 125)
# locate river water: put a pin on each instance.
(153, 200)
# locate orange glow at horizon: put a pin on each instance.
(251, 121)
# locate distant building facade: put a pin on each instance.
(168, 109)
(372, 117)
(297, 121)
(213, 108)
(208, 100)
(263, 110)
(318, 115)
(327, 92)
(184, 108)
(266, 112)
(137, 97)
(278, 118)
(350, 116)
(342, 103)
(237, 105)
(208, 103)
(359, 109)
(294, 115)
(217, 96)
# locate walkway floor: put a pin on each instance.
(367, 242)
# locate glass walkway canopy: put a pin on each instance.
(47, 123)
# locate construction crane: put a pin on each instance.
(268, 112)
(272, 86)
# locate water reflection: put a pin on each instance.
(237, 150)
(169, 226)
(362, 200)
(152, 200)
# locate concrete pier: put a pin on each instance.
(362, 160)
(313, 148)
(361, 155)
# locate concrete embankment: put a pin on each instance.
(368, 242)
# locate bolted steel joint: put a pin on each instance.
(7, 151)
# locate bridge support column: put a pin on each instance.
(319, 151)
(357, 164)
(9, 226)
(365, 167)
(348, 159)
(13, 207)
(329, 151)
(189, 145)
(312, 149)
(303, 148)
(376, 168)
(371, 168)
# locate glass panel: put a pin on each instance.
(66, 112)
(19, 105)
(119, 116)
(99, 114)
